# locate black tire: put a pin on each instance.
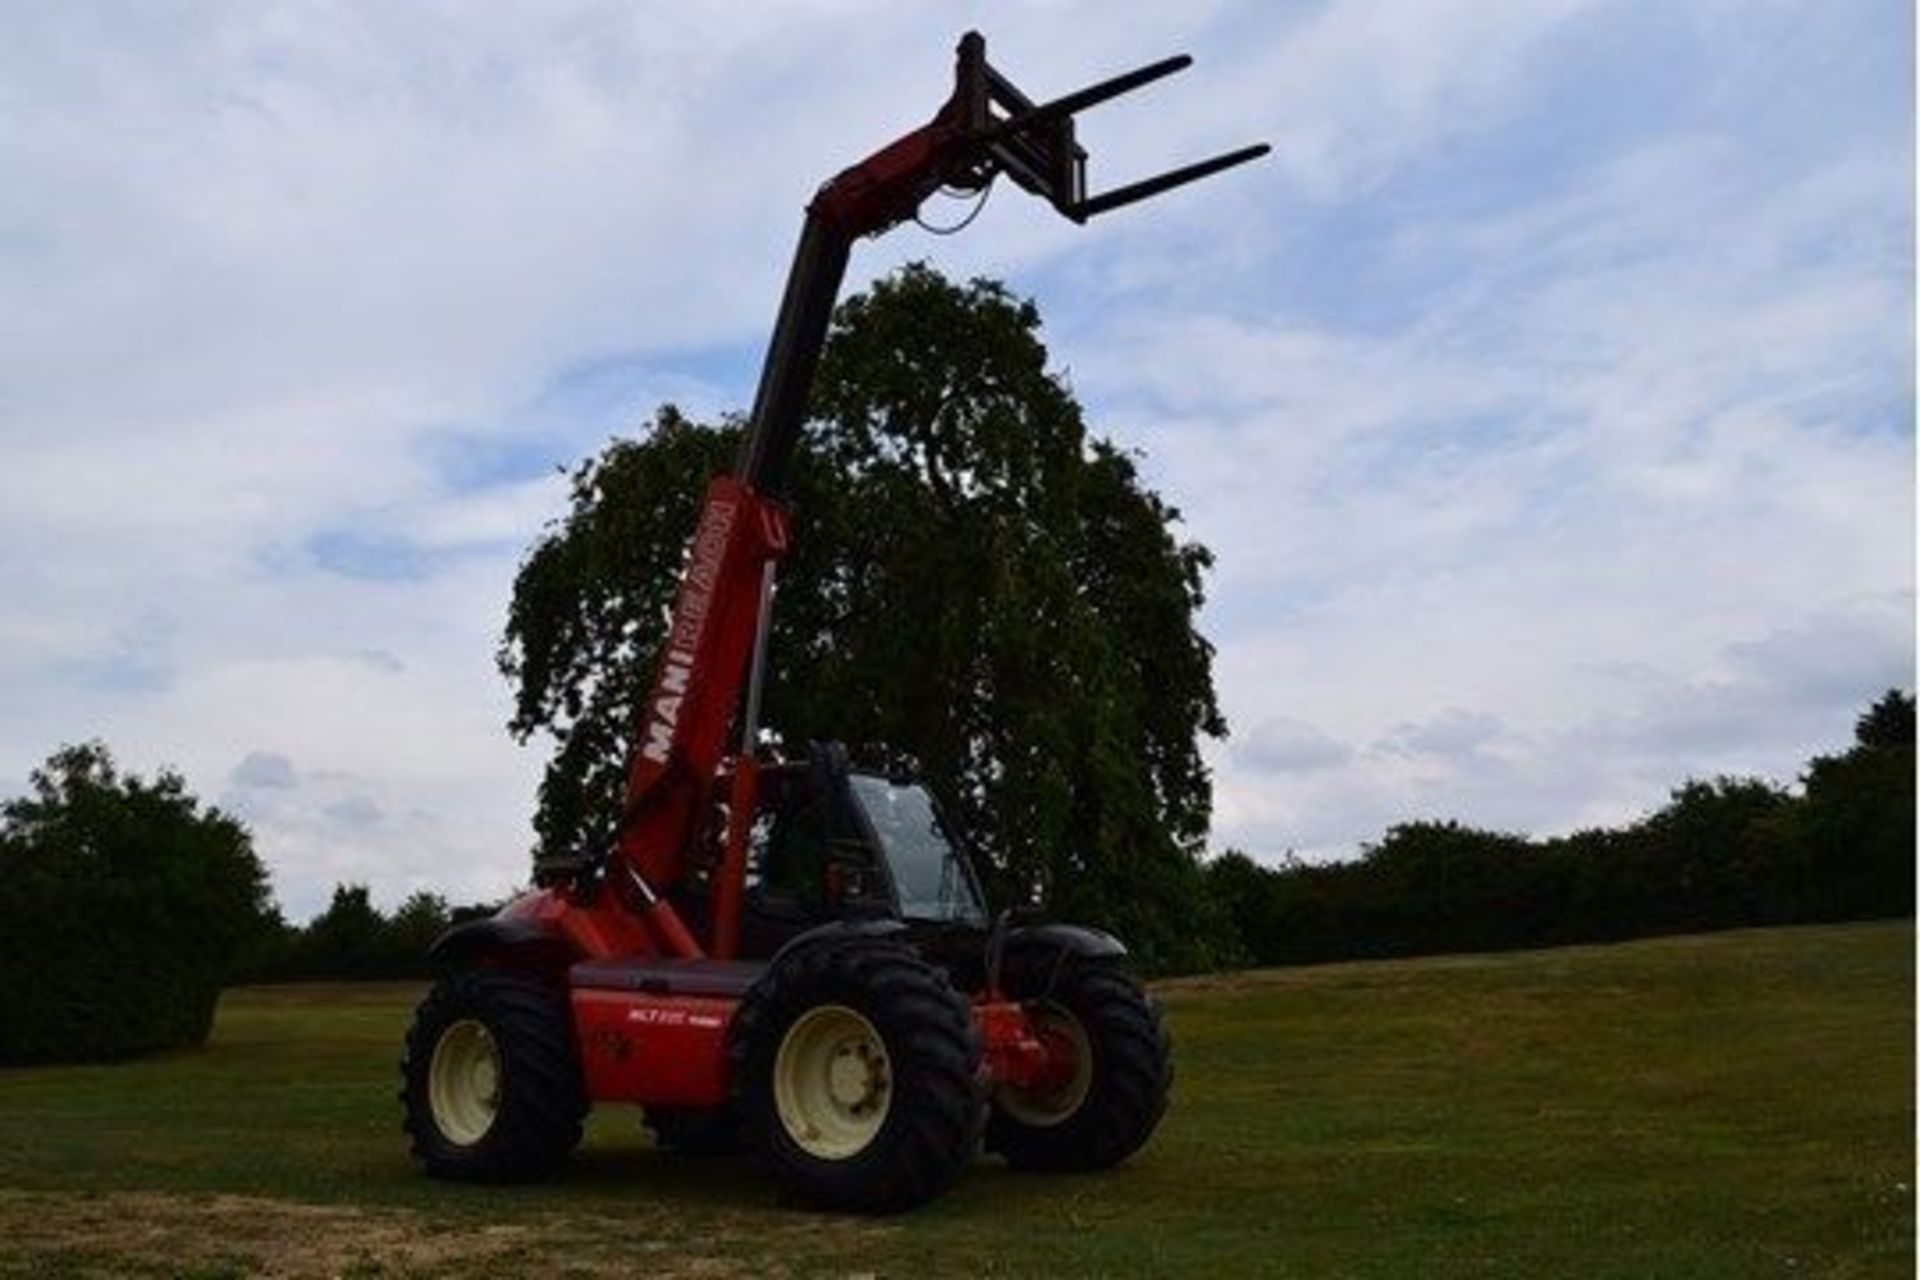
(1132, 1071)
(930, 1122)
(696, 1131)
(537, 1102)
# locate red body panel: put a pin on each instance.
(1013, 1052)
(595, 930)
(684, 721)
(669, 1050)
(656, 1049)
(731, 882)
(888, 186)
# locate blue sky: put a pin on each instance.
(1546, 399)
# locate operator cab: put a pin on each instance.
(832, 843)
(931, 878)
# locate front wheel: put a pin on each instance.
(490, 1082)
(856, 1073)
(1106, 1108)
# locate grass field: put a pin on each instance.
(1731, 1105)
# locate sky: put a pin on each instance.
(1546, 398)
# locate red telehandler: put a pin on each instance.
(794, 957)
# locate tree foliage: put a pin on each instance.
(979, 590)
(1717, 855)
(1887, 725)
(123, 905)
(1858, 817)
(352, 939)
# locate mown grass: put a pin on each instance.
(1738, 1104)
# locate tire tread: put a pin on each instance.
(543, 1101)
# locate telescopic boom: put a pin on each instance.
(716, 638)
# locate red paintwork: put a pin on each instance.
(888, 186)
(675, 938)
(1015, 1052)
(671, 1050)
(596, 929)
(685, 719)
(729, 885)
(658, 1049)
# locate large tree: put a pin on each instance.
(979, 590)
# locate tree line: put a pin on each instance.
(125, 905)
(1720, 854)
(352, 939)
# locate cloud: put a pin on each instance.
(354, 812)
(1361, 85)
(1288, 746)
(1626, 499)
(1454, 733)
(1546, 400)
(264, 770)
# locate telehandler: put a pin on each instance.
(794, 957)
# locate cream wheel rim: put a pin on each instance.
(463, 1082)
(1043, 1110)
(832, 1082)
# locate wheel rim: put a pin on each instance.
(463, 1082)
(832, 1082)
(1063, 1033)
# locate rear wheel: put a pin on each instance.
(855, 1076)
(490, 1084)
(1096, 1017)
